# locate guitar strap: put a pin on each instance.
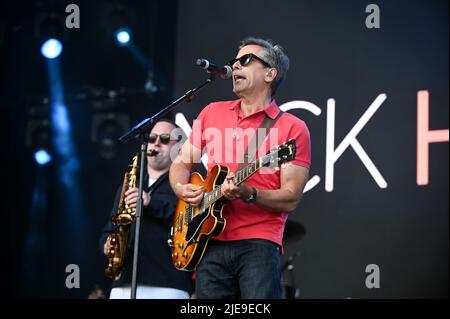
(257, 140)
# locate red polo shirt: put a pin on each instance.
(225, 132)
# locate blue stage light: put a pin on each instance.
(51, 48)
(42, 157)
(123, 37)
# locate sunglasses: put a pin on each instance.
(247, 58)
(163, 138)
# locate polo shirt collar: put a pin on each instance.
(272, 110)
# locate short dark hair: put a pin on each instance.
(182, 135)
(272, 54)
(167, 120)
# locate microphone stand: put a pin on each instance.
(147, 124)
(140, 131)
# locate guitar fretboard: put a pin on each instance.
(239, 177)
(273, 158)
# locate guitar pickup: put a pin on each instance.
(180, 219)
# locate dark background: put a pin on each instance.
(403, 229)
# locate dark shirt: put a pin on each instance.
(155, 266)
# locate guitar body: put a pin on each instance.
(193, 227)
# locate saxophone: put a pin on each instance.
(122, 223)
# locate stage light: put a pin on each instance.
(39, 134)
(123, 37)
(42, 157)
(51, 48)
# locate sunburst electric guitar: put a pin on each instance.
(193, 226)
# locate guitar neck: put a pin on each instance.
(239, 177)
(246, 172)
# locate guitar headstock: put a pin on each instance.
(280, 155)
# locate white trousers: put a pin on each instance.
(148, 292)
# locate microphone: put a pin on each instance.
(152, 152)
(223, 71)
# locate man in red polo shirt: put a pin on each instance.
(244, 261)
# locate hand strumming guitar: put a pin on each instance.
(190, 193)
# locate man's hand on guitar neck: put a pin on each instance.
(230, 191)
(189, 193)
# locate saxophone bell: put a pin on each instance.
(122, 220)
